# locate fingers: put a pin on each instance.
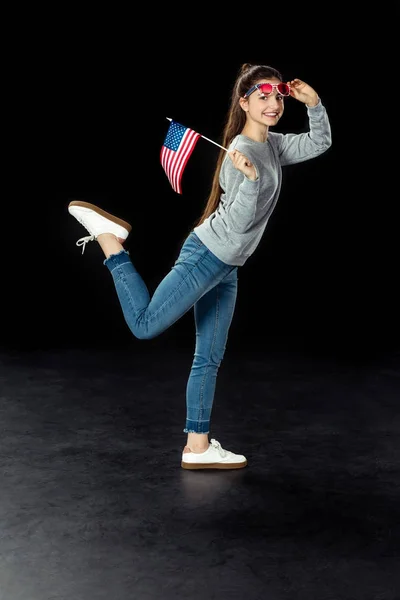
(295, 83)
(235, 156)
(243, 164)
(232, 156)
(239, 159)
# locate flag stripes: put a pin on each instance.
(175, 152)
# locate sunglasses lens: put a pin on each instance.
(266, 88)
(283, 89)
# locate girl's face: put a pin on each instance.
(262, 108)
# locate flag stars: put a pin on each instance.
(174, 136)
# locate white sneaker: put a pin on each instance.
(97, 221)
(215, 457)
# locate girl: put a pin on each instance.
(244, 193)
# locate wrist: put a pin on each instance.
(313, 102)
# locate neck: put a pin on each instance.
(256, 133)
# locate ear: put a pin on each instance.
(244, 104)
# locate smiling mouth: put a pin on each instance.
(271, 115)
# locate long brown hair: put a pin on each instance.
(235, 121)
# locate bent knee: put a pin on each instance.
(144, 333)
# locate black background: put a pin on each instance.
(325, 273)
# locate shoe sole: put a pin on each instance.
(194, 466)
(102, 212)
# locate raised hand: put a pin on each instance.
(300, 90)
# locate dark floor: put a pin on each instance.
(94, 503)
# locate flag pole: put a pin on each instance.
(206, 138)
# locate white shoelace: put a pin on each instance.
(83, 241)
(218, 447)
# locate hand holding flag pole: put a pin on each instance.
(176, 150)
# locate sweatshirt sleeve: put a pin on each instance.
(239, 199)
(294, 148)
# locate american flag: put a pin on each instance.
(175, 152)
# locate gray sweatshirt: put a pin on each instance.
(233, 231)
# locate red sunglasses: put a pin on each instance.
(266, 88)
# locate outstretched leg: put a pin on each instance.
(195, 272)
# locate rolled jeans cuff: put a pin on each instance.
(116, 260)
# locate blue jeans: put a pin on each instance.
(198, 279)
